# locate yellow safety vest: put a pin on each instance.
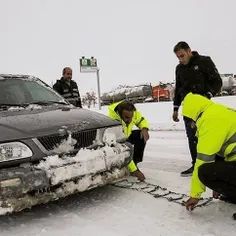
(137, 120)
(216, 132)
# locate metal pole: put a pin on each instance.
(99, 95)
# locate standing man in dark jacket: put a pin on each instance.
(68, 88)
(197, 74)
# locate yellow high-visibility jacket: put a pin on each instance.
(137, 120)
(216, 132)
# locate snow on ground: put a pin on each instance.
(159, 115)
(112, 211)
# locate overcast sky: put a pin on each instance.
(132, 40)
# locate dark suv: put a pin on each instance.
(50, 149)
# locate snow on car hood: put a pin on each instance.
(23, 124)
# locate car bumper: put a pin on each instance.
(54, 178)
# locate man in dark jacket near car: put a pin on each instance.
(68, 88)
(197, 74)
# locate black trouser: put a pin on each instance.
(192, 139)
(219, 176)
(139, 145)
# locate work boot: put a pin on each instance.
(227, 199)
(187, 172)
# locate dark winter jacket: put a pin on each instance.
(199, 76)
(69, 92)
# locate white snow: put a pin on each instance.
(85, 162)
(87, 181)
(159, 115)
(112, 135)
(66, 145)
(5, 210)
(30, 107)
(112, 211)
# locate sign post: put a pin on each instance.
(99, 92)
(89, 65)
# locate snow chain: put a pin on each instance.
(160, 192)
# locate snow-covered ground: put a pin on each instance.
(112, 211)
(159, 115)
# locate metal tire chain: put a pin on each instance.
(153, 189)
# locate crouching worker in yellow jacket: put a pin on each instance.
(216, 149)
(128, 115)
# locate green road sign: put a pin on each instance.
(88, 64)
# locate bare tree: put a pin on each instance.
(89, 99)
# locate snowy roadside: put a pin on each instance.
(159, 115)
(112, 211)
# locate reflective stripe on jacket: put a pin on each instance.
(69, 91)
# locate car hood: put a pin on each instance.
(24, 124)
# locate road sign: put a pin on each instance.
(88, 64)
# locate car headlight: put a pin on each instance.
(14, 151)
(112, 135)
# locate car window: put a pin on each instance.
(18, 91)
(14, 94)
(39, 93)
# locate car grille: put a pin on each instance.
(84, 139)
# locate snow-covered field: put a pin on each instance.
(112, 211)
(159, 115)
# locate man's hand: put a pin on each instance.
(175, 116)
(144, 134)
(191, 203)
(139, 175)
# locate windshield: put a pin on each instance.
(23, 91)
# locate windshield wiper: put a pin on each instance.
(2, 105)
(42, 103)
(45, 103)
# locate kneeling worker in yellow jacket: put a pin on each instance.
(216, 149)
(128, 115)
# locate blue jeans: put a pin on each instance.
(192, 139)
